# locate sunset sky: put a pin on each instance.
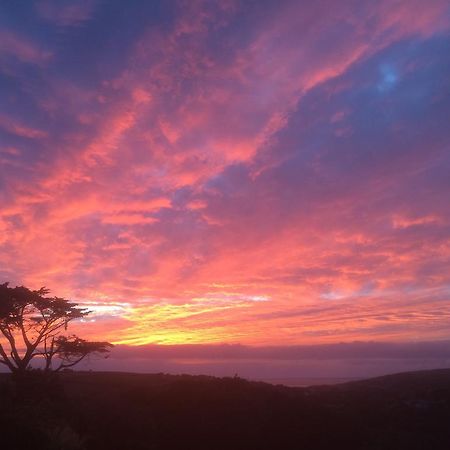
(264, 173)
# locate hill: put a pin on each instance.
(89, 410)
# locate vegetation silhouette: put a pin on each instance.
(33, 324)
(117, 411)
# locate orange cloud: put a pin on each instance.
(229, 176)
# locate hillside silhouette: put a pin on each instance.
(90, 410)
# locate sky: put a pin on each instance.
(230, 173)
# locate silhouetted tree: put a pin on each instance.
(32, 325)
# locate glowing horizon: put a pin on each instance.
(261, 173)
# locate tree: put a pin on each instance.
(32, 325)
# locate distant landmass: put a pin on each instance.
(308, 381)
(93, 410)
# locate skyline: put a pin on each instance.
(255, 173)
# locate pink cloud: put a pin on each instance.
(69, 13)
(216, 183)
(14, 127)
(22, 48)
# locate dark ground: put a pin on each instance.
(88, 410)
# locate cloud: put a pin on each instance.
(67, 12)
(22, 48)
(190, 159)
(18, 129)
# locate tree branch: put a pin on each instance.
(65, 366)
(6, 360)
(12, 342)
(22, 329)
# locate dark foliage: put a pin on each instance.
(31, 325)
(130, 411)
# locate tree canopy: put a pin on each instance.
(33, 325)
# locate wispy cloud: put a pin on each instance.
(232, 173)
(66, 12)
